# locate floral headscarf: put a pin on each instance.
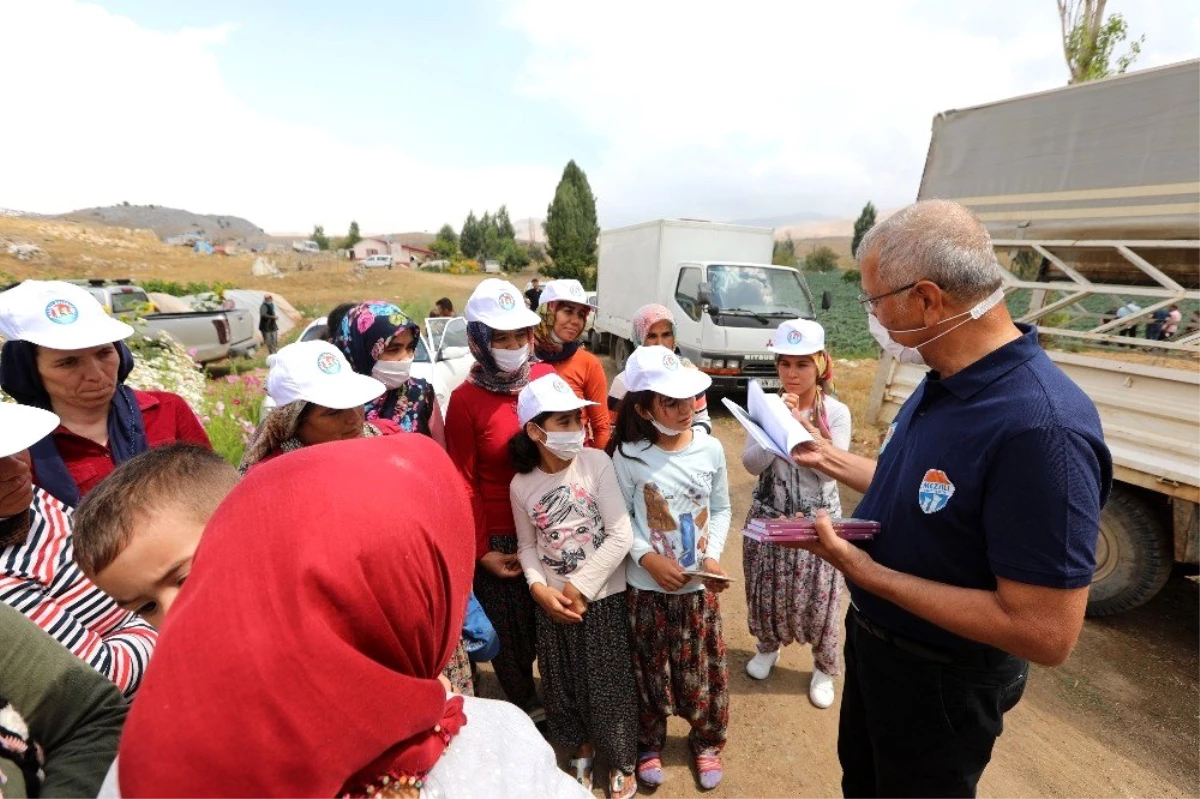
(647, 317)
(484, 372)
(363, 334)
(546, 344)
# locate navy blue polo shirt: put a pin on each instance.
(997, 471)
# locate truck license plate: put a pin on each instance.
(770, 382)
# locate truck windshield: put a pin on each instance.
(757, 290)
(129, 301)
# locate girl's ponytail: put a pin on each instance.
(522, 450)
(631, 427)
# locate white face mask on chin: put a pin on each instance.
(510, 360)
(912, 355)
(392, 374)
(664, 430)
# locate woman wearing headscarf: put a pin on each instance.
(349, 597)
(564, 312)
(380, 340)
(654, 325)
(318, 399)
(481, 420)
(64, 354)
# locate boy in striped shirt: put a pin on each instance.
(38, 575)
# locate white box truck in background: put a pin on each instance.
(717, 280)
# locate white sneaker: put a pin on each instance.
(820, 690)
(761, 664)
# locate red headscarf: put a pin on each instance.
(302, 656)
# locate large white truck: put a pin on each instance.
(1092, 196)
(717, 280)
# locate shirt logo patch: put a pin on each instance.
(936, 490)
(61, 312)
(887, 437)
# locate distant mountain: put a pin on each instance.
(798, 218)
(170, 222)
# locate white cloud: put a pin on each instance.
(722, 110)
(99, 110)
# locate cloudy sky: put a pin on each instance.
(405, 115)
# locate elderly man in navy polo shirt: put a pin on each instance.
(988, 490)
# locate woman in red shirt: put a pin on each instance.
(564, 312)
(480, 421)
(65, 354)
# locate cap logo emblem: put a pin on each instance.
(670, 362)
(61, 312)
(577, 291)
(507, 303)
(328, 363)
(561, 387)
(794, 337)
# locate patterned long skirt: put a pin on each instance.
(793, 596)
(510, 607)
(680, 668)
(458, 671)
(587, 681)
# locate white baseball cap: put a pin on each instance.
(659, 370)
(798, 337)
(317, 372)
(564, 291)
(547, 393)
(22, 426)
(499, 305)
(58, 315)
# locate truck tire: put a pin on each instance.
(1133, 555)
(621, 351)
(596, 342)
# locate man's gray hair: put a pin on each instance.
(935, 240)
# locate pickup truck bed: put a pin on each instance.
(208, 335)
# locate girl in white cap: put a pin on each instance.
(564, 312)
(674, 482)
(479, 423)
(793, 595)
(573, 534)
(65, 354)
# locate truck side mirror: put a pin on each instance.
(704, 294)
(826, 300)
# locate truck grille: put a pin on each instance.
(758, 368)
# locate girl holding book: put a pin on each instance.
(793, 595)
(674, 482)
(573, 534)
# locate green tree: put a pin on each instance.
(353, 237)
(472, 236)
(504, 225)
(536, 252)
(445, 246)
(513, 257)
(865, 221)
(822, 259)
(1089, 40)
(572, 231)
(318, 235)
(784, 253)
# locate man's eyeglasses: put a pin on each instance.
(869, 302)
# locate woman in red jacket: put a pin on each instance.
(481, 419)
(65, 354)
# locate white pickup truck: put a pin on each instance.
(207, 335)
(1090, 197)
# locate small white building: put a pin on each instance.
(402, 254)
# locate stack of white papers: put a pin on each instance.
(769, 421)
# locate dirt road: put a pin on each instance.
(1119, 719)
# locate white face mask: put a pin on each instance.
(566, 445)
(510, 360)
(912, 355)
(664, 430)
(392, 374)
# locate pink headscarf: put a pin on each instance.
(647, 317)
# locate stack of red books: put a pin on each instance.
(785, 530)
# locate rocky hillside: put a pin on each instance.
(167, 222)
